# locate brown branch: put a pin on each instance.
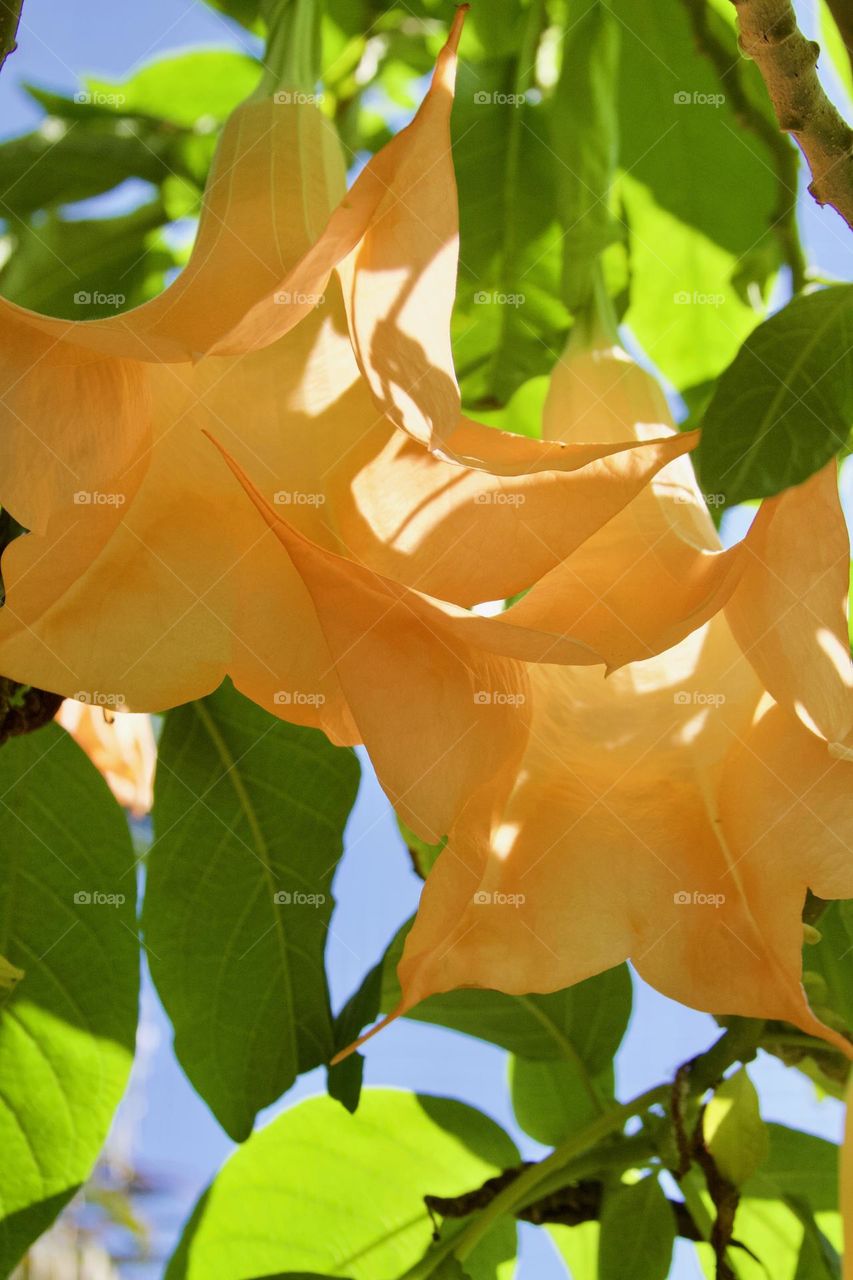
(787, 60)
(10, 17)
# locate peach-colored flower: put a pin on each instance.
(676, 812)
(309, 335)
(121, 746)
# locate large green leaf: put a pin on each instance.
(734, 1133)
(67, 1030)
(799, 1167)
(84, 269)
(249, 814)
(509, 323)
(637, 1233)
(324, 1190)
(784, 406)
(554, 1097)
(183, 88)
(693, 235)
(583, 1022)
(66, 161)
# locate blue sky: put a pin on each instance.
(172, 1132)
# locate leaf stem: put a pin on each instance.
(737, 1044)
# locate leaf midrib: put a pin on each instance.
(261, 848)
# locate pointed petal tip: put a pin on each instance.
(456, 26)
(368, 1035)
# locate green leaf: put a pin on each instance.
(798, 1167)
(320, 1188)
(554, 1098)
(246, 12)
(690, 232)
(63, 162)
(818, 1259)
(637, 1233)
(509, 322)
(362, 1007)
(578, 1247)
(831, 40)
(829, 960)
(784, 406)
(734, 1133)
(10, 976)
(585, 141)
(183, 88)
(249, 814)
(67, 1030)
(80, 270)
(586, 1021)
(423, 855)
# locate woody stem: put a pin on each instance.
(787, 61)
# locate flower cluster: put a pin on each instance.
(646, 756)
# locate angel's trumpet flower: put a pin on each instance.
(309, 334)
(675, 812)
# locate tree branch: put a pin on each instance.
(786, 59)
(10, 16)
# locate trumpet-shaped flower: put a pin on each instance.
(675, 812)
(309, 335)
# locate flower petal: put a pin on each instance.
(394, 239)
(789, 610)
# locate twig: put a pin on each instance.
(10, 16)
(787, 60)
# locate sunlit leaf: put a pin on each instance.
(735, 1135)
(637, 1233)
(322, 1189)
(67, 1030)
(183, 88)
